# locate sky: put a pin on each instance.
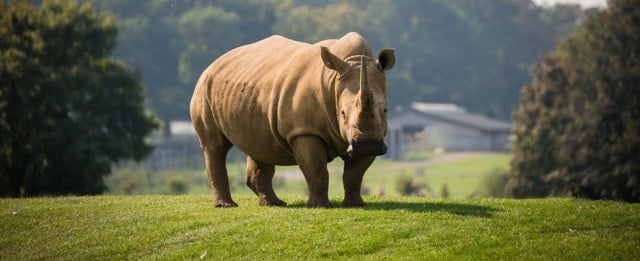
(583, 3)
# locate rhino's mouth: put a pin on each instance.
(366, 148)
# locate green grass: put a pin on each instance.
(187, 227)
(462, 176)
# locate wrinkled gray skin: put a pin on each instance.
(284, 102)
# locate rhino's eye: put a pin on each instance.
(385, 110)
(344, 115)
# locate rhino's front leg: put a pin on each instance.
(311, 155)
(354, 170)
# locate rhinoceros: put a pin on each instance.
(284, 102)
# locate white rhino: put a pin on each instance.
(284, 102)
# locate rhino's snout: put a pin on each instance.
(366, 147)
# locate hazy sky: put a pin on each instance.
(583, 3)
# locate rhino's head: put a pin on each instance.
(362, 100)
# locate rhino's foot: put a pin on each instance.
(224, 203)
(272, 202)
(353, 203)
(324, 203)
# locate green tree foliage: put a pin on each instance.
(172, 42)
(578, 126)
(539, 120)
(474, 53)
(314, 24)
(67, 110)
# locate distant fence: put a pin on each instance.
(179, 152)
(176, 152)
(183, 151)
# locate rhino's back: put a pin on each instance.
(262, 58)
(243, 87)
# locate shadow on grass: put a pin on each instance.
(452, 208)
(422, 207)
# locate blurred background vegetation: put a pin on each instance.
(576, 127)
(475, 54)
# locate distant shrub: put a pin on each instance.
(407, 185)
(404, 184)
(444, 191)
(177, 185)
(127, 186)
(493, 184)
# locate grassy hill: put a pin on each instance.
(187, 227)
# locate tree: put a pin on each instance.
(473, 53)
(195, 25)
(588, 129)
(67, 110)
(539, 120)
(313, 24)
(172, 42)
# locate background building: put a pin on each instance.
(445, 126)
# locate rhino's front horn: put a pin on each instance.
(364, 94)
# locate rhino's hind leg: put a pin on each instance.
(259, 179)
(213, 142)
(215, 154)
(217, 176)
(311, 154)
(354, 170)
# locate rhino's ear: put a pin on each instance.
(332, 61)
(386, 59)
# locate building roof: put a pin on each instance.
(438, 107)
(182, 128)
(456, 115)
